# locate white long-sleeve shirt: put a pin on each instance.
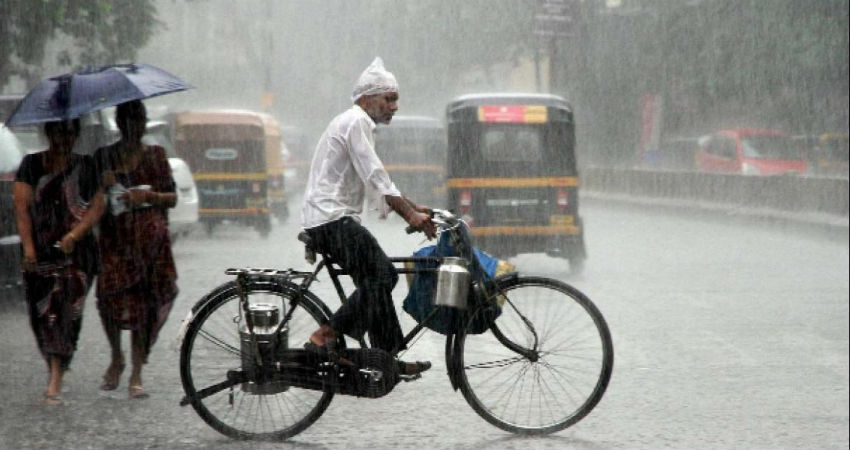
(344, 166)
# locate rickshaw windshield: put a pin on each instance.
(411, 146)
(512, 144)
(223, 149)
(483, 149)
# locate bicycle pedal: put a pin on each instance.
(409, 378)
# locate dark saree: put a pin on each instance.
(138, 281)
(57, 290)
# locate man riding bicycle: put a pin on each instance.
(344, 167)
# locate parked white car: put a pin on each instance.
(183, 218)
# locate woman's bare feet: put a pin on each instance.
(52, 399)
(134, 388)
(136, 391)
(54, 383)
(112, 375)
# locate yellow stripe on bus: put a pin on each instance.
(413, 168)
(512, 182)
(524, 231)
(224, 176)
(214, 212)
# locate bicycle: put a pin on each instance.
(540, 367)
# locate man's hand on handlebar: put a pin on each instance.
(421, 221)
(417, 216)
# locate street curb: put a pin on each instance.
(831, 225)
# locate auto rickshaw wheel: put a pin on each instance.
(264, 227)
(576, 265)
(283, 213)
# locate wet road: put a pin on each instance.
(726, 336)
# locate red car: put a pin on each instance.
(750, 151)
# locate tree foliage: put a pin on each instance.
(772, 63)
(776, 63)
(84, 32)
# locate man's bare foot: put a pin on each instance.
(319, 341)
(413, 368)
(323, 335)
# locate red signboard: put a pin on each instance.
(512, 113)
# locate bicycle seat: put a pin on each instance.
(309, 250)
(306, 239)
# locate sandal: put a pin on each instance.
(136, 391)
(52, 400)
(112, 376)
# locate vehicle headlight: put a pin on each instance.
(749, 169)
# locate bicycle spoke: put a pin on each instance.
(220, 343)
(565, 384)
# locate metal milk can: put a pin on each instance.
(265, 318)
(452, 283)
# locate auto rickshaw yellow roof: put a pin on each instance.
(218, 117)
(271, 124)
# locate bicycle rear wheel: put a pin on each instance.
(564, 372)
(213, 346)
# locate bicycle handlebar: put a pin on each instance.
(443, 219)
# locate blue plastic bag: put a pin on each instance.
(418, 302)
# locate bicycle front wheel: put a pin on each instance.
(214, 346)
(543, 365)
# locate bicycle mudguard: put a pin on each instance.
(452, 368)
(505, 277)
(187, 320)
(273, 279)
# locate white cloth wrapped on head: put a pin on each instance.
(374, 80)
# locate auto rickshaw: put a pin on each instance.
(226, 150)
(278, 204)
(413, 151)
(511, 174)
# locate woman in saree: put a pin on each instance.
(54, 196)
(138, 280)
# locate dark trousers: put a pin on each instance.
(370, 307)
